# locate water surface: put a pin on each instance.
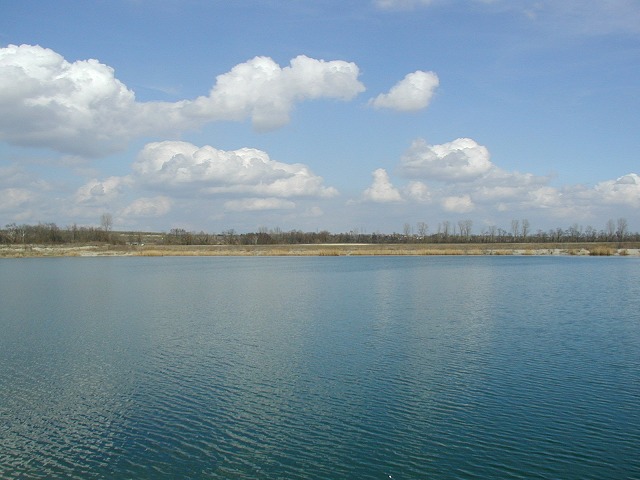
(375, 367)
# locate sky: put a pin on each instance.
(337, 115)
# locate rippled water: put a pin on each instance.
(378, 367)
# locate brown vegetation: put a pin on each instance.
(47, 239)
(416, 249)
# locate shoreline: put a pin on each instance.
(631, 249)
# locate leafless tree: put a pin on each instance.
(525, 228)
(515, 228)
(491, 230)
(464, 227)
(106, 222)
(611, 229)
(423, 229)
(621, 230)
(446, 226)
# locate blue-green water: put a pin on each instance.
(377, 367)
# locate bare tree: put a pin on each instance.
(446, 229)
(525, 228)
(515, 228)
(611, 229)
(575, 232)
(465, 228)
(406, 230)
(423, 229)
(106, 222)
(621, 230)
(492, 233)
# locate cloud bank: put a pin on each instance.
(185, 168)
(459, 177)
(82, 108)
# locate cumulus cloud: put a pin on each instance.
(457, 161)
(460, 177)
(82, 108)
(181, 166)
(460, 204)
(263, 91)
(418, 191)
(381, 190)
(148, 207)
(257, 204)
(623, 191)
(412, 93)
(503, 188)
(464, 180)
(100, 192)
(46, 101)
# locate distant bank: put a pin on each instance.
(92, 250)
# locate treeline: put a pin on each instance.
(50, 233)
(444, 232)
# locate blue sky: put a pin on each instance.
(314, 115)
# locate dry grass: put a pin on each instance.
(324, 250)
(328, 253)
(600, 250)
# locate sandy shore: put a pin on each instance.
(581, 249)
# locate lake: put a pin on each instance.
(320, 368)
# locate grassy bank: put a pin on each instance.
(74, 250)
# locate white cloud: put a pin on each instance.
(381, 190)
(14, 198)
(418, 191)
(622, 191)
(460, 204)
(457, 161)
(263, 91)
(258, 204)
(184, 167)
(544, 197)
(412, 93)
(510, 188)
(464, 180)
(46, 101)
(148, 207)
(96, 192)
(82, 108)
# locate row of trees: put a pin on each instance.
(445, 232)
(51, 233)
(520, 231)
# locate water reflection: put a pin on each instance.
(320, 368)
